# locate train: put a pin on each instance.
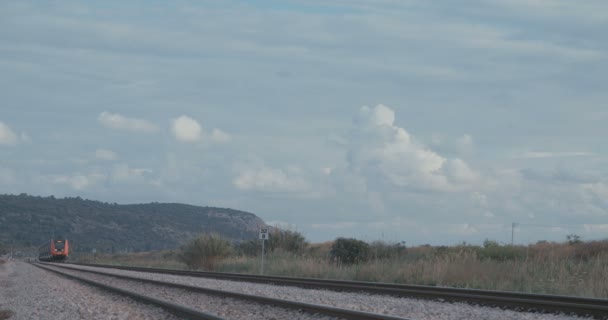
(55, 250)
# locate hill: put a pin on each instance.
(109, 227)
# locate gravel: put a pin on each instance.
(27, 292)
(395, 306)
(228, 308)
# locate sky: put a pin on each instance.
(436, 122)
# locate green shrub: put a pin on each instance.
(501, 253)
(384, 250)
(286, 240)
(349, 250)
(204, 251)
(249, 248)
(490, 244)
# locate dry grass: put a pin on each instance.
(5, 314)
(551, 268)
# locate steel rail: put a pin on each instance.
(598, 308)
(311, 308)
(176, 309)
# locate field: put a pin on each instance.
(577, 269)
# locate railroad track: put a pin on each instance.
(598, 308)
(190, 312)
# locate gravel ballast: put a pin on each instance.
(27, 292)
(228, 308)
(395, 306)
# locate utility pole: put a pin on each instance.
(513, 225)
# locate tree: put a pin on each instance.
(490, 244)
(349, 250)
(573, 239)
(204, 251)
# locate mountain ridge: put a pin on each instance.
(27, 220)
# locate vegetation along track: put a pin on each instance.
(598, 308)
(191, 313)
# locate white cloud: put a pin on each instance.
(465, 144)
(459, 172)
(79, 181)
(381, 115)
(268, 179)
(117, 121)
(186, 129)
(545, 154)
(380, 149)
(7, 136)
(479, 199)
(219, 136)
(124, 173)
(105, 154)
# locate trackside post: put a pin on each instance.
(263, 236)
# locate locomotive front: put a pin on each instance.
(60, 249)
(54, 250)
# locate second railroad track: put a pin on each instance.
(598, 308)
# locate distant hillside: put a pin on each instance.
(29, 220)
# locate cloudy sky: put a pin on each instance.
(404, 120)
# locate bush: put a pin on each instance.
(249, 248)
(493, 251)
(286, 240)
(278, 240)
(383, 250)
(490, 244)
(204, 251)
(349, 250)
(590, 250)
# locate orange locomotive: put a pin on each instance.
(54, 250)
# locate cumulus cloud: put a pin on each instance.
(186, 129)
(378, 149)
(79, 181)
(117, 121)
(8, 137)
(105, 154)
(269, 179)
